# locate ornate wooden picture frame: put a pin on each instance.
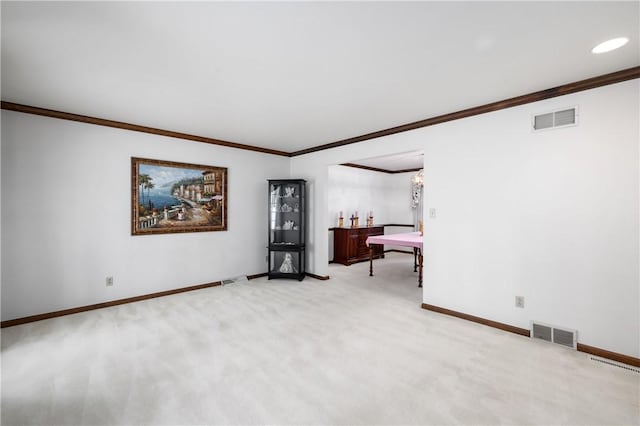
(169, 197)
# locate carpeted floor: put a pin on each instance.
(351, 350)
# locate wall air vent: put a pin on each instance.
(561, 336)
(555, 119)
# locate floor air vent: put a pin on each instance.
(234, 280)
(614, 363)
(561, 336)
(556, 119)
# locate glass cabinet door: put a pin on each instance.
(286, 214)
(286, 262)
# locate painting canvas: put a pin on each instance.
(169, 197)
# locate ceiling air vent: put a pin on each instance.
(550, 333)
(555, 119)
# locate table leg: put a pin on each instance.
(371, 260)
(420, 268)
(415, 259)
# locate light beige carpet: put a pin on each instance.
(351, 350)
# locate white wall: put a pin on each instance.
(66, 216)
(397, 192)
(551, 216)
(351, 189)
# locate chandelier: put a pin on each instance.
(418, 178)
(417, 182)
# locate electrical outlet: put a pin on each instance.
(519, 301)
(109, 281)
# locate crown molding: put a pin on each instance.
(133, 127)
(578, 86)
(376, 169)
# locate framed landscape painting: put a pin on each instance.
(169, 197)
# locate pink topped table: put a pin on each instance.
(409, 239)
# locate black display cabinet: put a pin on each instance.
(287, 228)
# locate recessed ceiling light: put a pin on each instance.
(610, 45)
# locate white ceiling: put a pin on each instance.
(294, 75)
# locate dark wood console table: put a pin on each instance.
(350, 244)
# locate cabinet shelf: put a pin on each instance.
(285, 246)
